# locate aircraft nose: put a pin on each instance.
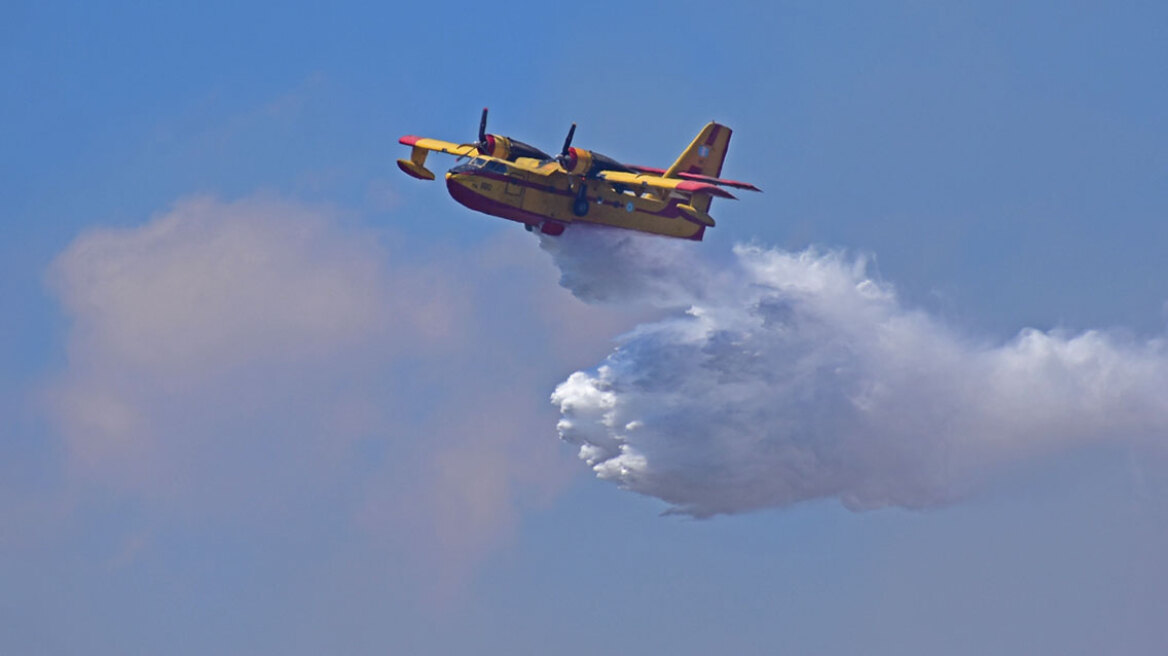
(462, 189)
(461, 180)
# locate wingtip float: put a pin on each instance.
(507, 178)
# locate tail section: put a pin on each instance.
(701, 204)
(705, 155)
(702, 162)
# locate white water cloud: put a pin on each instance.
(786, 377)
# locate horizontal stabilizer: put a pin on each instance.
(704, 188)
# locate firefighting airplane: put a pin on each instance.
(507, 178)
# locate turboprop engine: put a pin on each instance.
(578, 161)
(496, 145)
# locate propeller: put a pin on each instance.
(485, 143)
(566, 155)
(506, 148)
(568, 140)
(580, 161)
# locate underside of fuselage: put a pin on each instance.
(476, 194)
(538, 204)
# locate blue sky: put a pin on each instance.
(262, 392)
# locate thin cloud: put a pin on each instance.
(260, 363)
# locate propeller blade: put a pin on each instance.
(568, 140)
(483, 126)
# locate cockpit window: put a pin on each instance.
(469, 166)
(495, 166)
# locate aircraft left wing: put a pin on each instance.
(695, 207)
(416, 164)
(634, 180)
(695, 176)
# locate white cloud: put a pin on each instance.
(796, 376)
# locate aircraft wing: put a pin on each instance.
(634, 180)
(696, 177)
(437, 145)
(416, 164)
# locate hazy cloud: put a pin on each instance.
(259, 359)
(209, 285)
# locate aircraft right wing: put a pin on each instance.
(416, 164)
(438, 145)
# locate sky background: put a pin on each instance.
(260, 392)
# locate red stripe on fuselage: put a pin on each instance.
(478, 202)
(520, 182)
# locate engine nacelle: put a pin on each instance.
(496, 145)
(589, 162)
(577, 162)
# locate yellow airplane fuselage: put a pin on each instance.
(529, 191)
(507, 178)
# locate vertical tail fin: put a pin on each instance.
(705, 155)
